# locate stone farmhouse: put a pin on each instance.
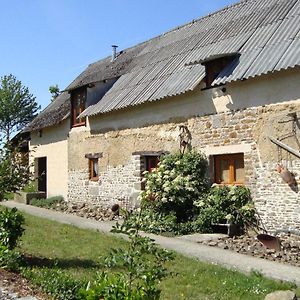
(230, 81)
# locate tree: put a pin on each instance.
(54, 91)
(14, 170)
(17, 105)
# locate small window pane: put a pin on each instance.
(95, 168)
(151, 162)
(224, 170)
(239, 173)
(229, 168)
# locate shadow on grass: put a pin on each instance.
(40, 262)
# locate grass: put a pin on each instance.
(48, 202)
(80, 253)
(9, 196)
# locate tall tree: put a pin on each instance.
(54, 91)
(17, 105)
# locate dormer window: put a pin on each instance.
(214, 65)
(78, 100)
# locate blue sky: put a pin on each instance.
(46, 42)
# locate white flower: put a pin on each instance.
(200, 203)
(167, 189)
(166, 184)
(228, 217)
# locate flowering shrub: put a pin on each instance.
(175, 184)
(14, 170)
(177, 198)
(227, 203)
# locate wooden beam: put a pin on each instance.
(284, 146)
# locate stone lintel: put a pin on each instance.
(230, 149)
(150, 153)
(93, 155)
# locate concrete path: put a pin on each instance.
(214, 255)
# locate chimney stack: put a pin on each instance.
(114, 52)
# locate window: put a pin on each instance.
(151, 162)
(215, 65)
(93, 161)
(213, 69)
(229, 169)
(93, 169)
(77, 107)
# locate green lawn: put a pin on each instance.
(80, 253)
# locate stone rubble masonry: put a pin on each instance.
(277, 202)
(120, 171)
(116, 185)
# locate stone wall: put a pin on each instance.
(277, 202)
(241, 131)
(116, 185)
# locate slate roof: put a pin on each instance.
(266, 34)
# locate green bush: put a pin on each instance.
(232, 204)
(30, 187)
(154, 222)
(55, 282)
(177, 198)
(142, 265)
(10, 259)
(11, 230)
(173, 187)
(47, 203)
(9, 196)
(165, 224)
(11, 227)
(111, 287)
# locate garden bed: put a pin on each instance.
(86, 210)
(249, 245)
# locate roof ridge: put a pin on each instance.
(206, 16)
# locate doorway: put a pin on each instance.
(42, 174)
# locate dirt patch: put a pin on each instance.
(13, 286)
